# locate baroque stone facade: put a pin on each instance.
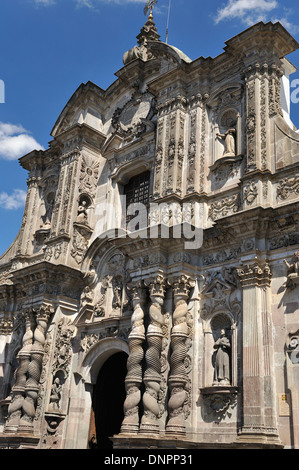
(155, 276)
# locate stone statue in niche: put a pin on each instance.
(293, 270)
(82, 213)
(229, 142)
(222, 360)
(55, 394)
(46, 218)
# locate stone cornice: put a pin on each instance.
(254, 38)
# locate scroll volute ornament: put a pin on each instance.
(293, 347)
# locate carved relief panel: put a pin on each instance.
(106, 293)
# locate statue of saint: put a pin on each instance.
(229, 142)
(294, 267)
(55, 394)
(222, 373)
(82, 213)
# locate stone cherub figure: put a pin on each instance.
(229, 142)
(222, 372)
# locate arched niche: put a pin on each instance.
(214, 325)
(226, 108)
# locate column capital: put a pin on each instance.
(156, 285)
(257, 273)
(181, 285)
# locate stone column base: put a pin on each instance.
(259, 438)
(163, 442)
(19, 441)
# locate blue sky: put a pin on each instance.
(49, 47)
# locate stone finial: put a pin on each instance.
(147, 33)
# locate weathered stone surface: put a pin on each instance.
(204, 247)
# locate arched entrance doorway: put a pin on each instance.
(108, 399)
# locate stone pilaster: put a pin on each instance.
(292, 373)
(259, 419)
(152, 376)
(178, 377)
(133, 379)
(262, 103)
(194, 155)
(170, 150)
(65, 194)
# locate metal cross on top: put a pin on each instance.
(149, 6)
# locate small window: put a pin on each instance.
(137, 189)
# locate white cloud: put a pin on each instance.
(13, 201)
(290, 27)
(15, 141)
(247, 10)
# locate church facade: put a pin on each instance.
(150, 299)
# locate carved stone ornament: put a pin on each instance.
(250, 192)
(63, 347)
(135, 117)
(219, 401)
(293, 347)
(288, 186)
(258, 273)
(81, 236)
(89, 175)
(218, 291)
(293, 271)
(224, 207)
(88, 340)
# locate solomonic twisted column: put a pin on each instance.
(133, 379)
(18, 390)
(178, 377)
(152, 376)
(34, 369)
